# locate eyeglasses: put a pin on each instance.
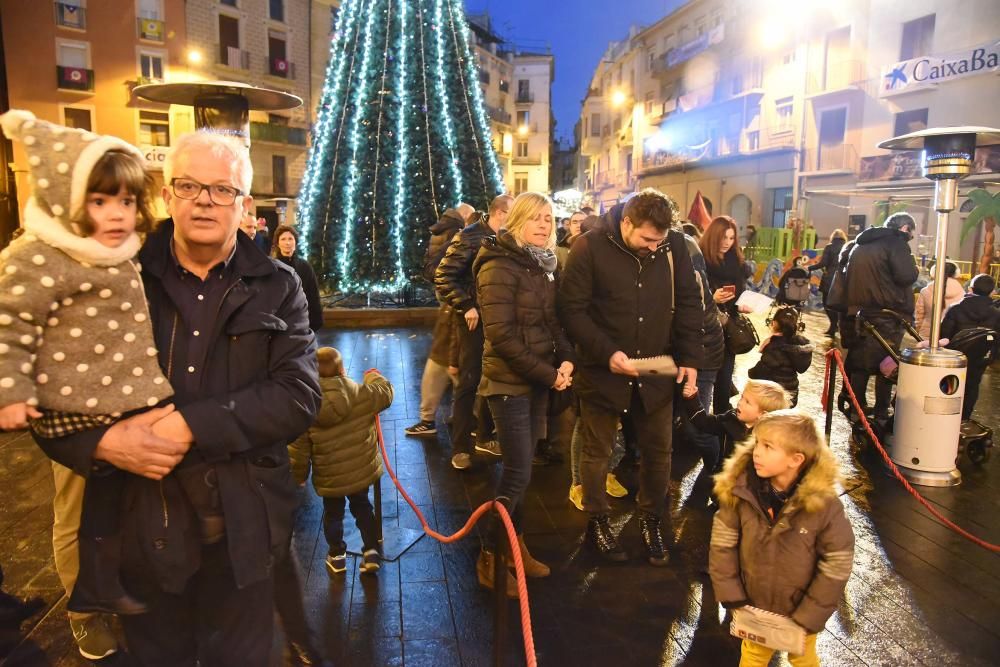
(221, 195)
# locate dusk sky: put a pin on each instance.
(578, 32)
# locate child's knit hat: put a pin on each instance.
(61, 159)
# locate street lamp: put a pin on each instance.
(194, 57)
(618, 98)
(522, 131)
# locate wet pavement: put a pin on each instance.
(919, 594)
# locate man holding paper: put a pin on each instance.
(629, 291)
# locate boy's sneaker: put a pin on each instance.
(371, 561)
(613, 487)
(461, 461)
(491, 447)
(336, 563)
(421, 429)
(576, 496)
(93, 637)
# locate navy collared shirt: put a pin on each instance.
(198, 305)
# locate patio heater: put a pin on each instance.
(931, 384)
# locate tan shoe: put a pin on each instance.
(484, 571)
(576, 496)
(613, 487)
(532, 568)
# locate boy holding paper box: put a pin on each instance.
(780, 540)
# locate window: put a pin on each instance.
(154, 128)
(277, 10)
(73, 54)
(617, 125)
(788, 58)
(650, 61)
(504, 86)
(149, 9)
(522, 149)
(520, 182)
(649, 102)
(80, 118)
(231, 3)
(910, 121)
(279, 174)
(524, 90)
(277, 51)
(918, 36)
(716, 18)
(781, 205)
(277, 119)
(523, 117)
(229, 41)
(71, 14)
(595, 124)
(783, 110)
(151, 66)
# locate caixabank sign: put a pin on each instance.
(923, 72)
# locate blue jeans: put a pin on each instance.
(707, 444)
(520, 422)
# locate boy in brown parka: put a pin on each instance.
(342, 449)
(780, 540)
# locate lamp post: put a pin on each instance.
(931, 384)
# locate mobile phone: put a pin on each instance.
(729, 289)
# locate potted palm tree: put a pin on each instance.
(987, 212)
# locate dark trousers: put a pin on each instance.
(654, 433)
(364, 517)
(973, 377)
(291, 608)
(466, 418)
(722, 401)
(520, 424)
(863, 360)
(212, 621)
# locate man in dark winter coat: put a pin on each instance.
(976, 309)
(456, 286)
(232, 330)
(880, 275)
(629, 290)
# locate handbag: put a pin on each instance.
(741, 336)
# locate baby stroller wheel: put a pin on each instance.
(978, 451)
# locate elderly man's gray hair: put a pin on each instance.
(220, 146)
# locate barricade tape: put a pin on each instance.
(834, 356)
(522, 586)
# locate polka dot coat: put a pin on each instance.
(75, 337)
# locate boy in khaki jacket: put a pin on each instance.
(342, 450)
(780, 540)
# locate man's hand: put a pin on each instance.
(131, 445)
(566, 368)
(16, 416)
(453, 371)
(174, 427)
(689, 376)
(472, 319)
(562, 382)
(619, 363)
(688, 392)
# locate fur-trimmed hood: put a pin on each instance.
(814, 491)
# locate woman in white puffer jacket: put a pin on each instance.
(953, 293)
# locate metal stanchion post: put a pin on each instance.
(499, 590)
(831, 398)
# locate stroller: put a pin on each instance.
(793, 291)
(978, 343)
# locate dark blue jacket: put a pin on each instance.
(259, 392)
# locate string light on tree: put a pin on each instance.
(401, 133)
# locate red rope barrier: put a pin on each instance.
(522, 585)
(834, 355)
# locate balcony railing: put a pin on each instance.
(524, 97)
(71, 16)
(837, 76)
(527, 160)
(150, 30)
(279, 134)
(838, 157)
(281, 68)
(498, 114)
(230, 56)
(74, 78)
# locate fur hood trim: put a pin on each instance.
(83, 249)
(813, 492)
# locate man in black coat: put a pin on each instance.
(976, 309)
(629, 290)
(456, 286)
(232, 333)
(880, 275)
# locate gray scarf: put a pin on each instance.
(545, 258)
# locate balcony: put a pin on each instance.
(840, 76)
(230, 56)
(282, 68)
(279, 134)
(150, 30)
(839, 158)
(527, 160)
(590, 145)
(525, 97)
(498, 115)
(744, 143)
(74, 78)
(70, 16)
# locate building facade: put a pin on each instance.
(76, 63)
(774, 111)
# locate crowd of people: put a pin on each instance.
(176, 384)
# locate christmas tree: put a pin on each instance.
(401, 134)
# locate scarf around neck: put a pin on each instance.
(545, 258)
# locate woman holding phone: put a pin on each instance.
(727, 275)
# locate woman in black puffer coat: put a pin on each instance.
(727, 276)
(784, 355)
(526, 353)
(286, 238)
(828, 263)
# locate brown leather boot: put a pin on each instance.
(532, 568)
(484, 571)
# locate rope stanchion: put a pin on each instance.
(498, 507)
(833, 357)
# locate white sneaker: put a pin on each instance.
(461, 461)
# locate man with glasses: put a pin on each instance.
(232, 333)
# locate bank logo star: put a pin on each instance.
(896, 76)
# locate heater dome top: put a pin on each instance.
(983, 136)
(261, 99)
